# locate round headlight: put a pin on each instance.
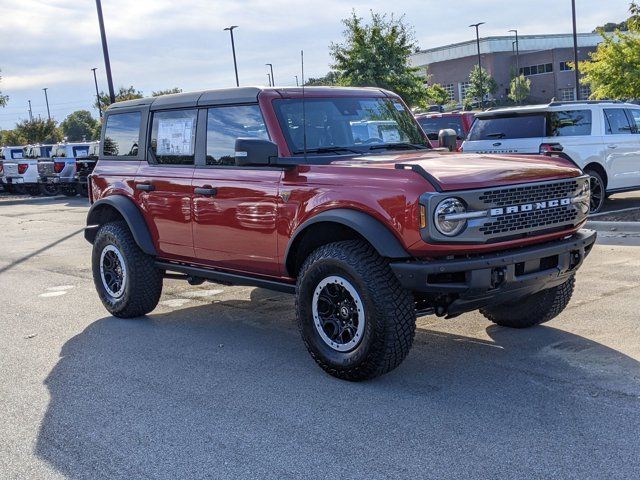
(449, 227)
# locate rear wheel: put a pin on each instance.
(355, 318)
(69, 190)
(598, 191)
(534, 310)
(127, 280)
(49, 189)
(33, 190)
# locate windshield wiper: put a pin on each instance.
(335, 149)
(398, 146)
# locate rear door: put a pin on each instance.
(622, 149)
(506, 133)
(234, 207)
(163, 183)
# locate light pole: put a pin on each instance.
(30, 112)
(46, 99)
(297, 83)
(269, 79)
(575, 49)
(477, 25)
(105, 51)
(95, 80)
(517, 53)
(233, 49)
(273, 79)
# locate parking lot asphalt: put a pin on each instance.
(216, 382)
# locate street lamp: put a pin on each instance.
(575, 49)
(273, 79)
(46, 99)
(477, 25)
(105, 51)
(95, 80)
(233, 49)
(517, 52)
(269, 79)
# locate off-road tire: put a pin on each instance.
(143, 285)
(534, 310)
(390, 316)
(69, 191)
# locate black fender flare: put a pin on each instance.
(371, 229)
(131, 214)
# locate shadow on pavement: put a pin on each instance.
(227, 390)
(10, 200)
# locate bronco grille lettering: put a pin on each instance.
(529, 207)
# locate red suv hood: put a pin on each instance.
(465, 171)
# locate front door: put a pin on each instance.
(163, 183)
(235, 208)
(622, 149)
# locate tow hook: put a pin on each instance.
(498, 276)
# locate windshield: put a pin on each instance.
(433, 125)
(348, 125)
(515, 126)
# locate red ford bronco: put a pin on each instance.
(336, 195)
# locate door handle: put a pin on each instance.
(206, 191)
(612, 146)
(145, 187)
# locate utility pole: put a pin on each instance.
(30, 112)
(105, 52)
(273, 79)
(297, 83)
(575, 49)
(477, 25)
(95, 80)
(233, 49)
(46, 99)
(517, 53)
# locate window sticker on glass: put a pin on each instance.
(398, 106)
(390, 134)
(174, 136)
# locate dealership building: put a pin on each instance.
(543, 59)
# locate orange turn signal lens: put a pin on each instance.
(423, 216)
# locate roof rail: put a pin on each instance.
(577, 102)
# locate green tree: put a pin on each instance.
(480, 85)
(79, 126)
(377, 55)
(614, 69)
(169, 91)
(35, 131)
(520, 89)
(12, 137)
(330, 79)
(437, 94)
(122, 94)
(3, 98)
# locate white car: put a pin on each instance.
(600, 137)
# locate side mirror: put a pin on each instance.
(448, 138)
(255, 151)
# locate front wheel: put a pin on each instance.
(49, 189)
(354, 317)
(598, 191)
(534, 310)
(69, 190)
(127, 280)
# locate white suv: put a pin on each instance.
(601, 137)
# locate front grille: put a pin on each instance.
(517, 222)
(529, 193)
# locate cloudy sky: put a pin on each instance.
(157, 44)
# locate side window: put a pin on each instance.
(617, 122)
(570, 123)
(173, 137)
(81, 151)
(121, 135)
(634, 115)
(225, 125)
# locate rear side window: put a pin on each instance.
(617, 122)
(225, 125)
(634, 115)
(81, 151)
(569, 123)
(17, 153)
(173, 137)
(508, 127)
(121, 135)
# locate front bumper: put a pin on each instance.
(474, 282)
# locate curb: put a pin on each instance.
(631, 227)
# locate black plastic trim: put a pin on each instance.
(131, 215)
(226, 277)
(422, 172)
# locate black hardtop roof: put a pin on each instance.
(234, 95)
